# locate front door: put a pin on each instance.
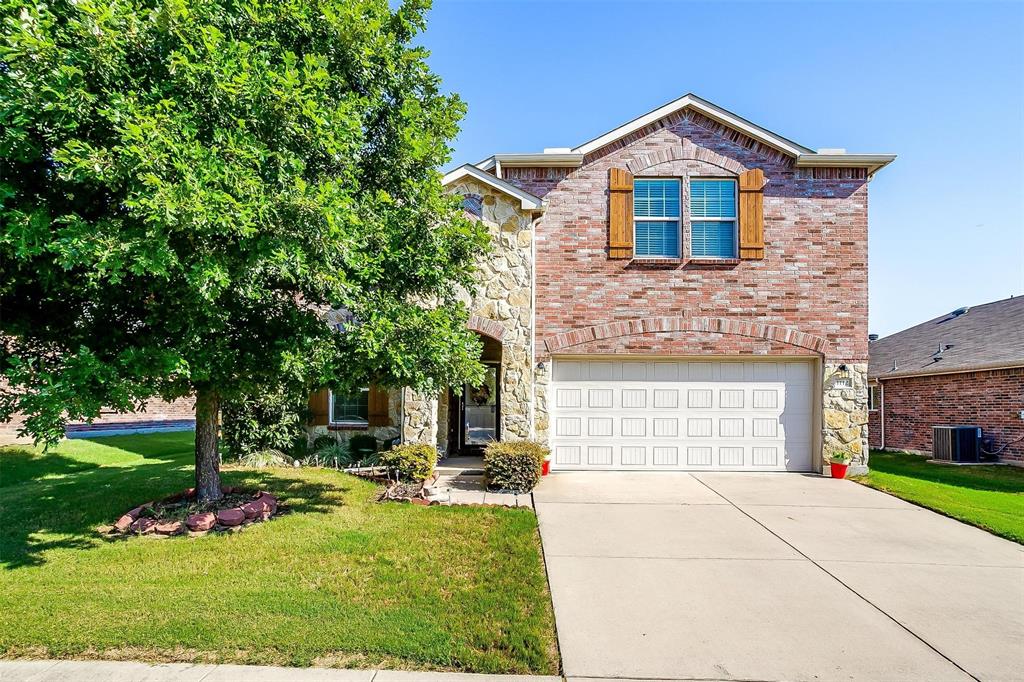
(479, 413)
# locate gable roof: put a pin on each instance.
(691, 101)
(987, 336)
(527, 201)
(803, 156)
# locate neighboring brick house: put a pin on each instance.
(964, 368)
(159, 415)
(687, 291)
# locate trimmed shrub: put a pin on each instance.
(410, 461)
(514, 465)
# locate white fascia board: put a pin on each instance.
(708, 109)
(873, 162)
(570, 160)
(528, 201)
(533, 159)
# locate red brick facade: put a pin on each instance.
(911, 406)
(157, 412)
(812, 281)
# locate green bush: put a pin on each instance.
(324, 440)
(840, 456)
(362, 444)
(266, 458)
(410, 461)
(336, 455)
(514, 465)
(264, 420)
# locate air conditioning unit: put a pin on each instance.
(956, 443)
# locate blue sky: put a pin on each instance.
(940, 84)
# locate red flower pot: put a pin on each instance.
(545, 468)
(838, 470)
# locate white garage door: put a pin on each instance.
(746, 415)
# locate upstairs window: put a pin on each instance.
(351, 408)
(713, 218)
(656, 218)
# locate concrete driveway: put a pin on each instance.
(773, 577)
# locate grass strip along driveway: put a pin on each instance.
(340, 580)
(989, 497)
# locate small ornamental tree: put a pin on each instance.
(188, 186)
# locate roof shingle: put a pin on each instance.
(986, 336)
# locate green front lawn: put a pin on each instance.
(990, 497)
(340, 581)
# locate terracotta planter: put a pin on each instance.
(838, 470)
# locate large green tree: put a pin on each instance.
(188, 185)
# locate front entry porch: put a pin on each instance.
(474, 411)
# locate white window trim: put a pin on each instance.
(735, 220)
(649, 219)
(872, 406)
(346, 422)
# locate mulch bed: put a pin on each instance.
(181, 513)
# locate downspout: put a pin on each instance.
(881, 412)
(401, 416)
(533, 328)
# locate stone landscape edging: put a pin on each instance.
(262, 507)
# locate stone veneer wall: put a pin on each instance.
(502, 295)
(845, 412)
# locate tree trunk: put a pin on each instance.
(207, 453)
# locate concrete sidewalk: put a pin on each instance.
(118, 671)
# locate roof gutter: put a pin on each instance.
(567, 160)
(873, 162)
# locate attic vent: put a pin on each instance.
(959, 311)
(872, 337)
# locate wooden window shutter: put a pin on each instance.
(378, 413)
(620, 213)
(319, 405)
(752, 214)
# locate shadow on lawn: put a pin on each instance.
(18, 465)
(64, 513)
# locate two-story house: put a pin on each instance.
(686, 291)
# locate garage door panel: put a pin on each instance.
(567, 455)
(633, 427)
(701, 415)
(602, 398)
(599, 455)
(731, 371)
(600, 427)
(634, 398)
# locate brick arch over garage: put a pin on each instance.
(487, 327)
(715, 325)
